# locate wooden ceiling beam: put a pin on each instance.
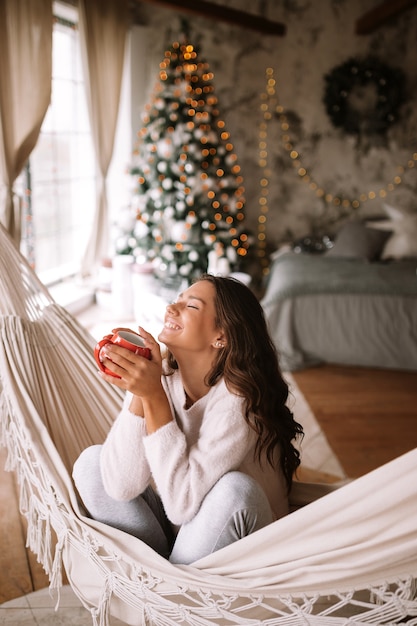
(223, 14)
(371, 20)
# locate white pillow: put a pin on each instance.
(403, 242)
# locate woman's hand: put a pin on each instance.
(142, 377)
(136, 374)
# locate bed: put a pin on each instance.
(324, 308)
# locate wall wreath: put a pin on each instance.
(364, 95)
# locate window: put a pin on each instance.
(60, 176)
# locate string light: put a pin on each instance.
(271, 108)
(266, 172)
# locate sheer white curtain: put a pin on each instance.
(25, 93)
(103, 31)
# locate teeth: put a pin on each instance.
(172, 326)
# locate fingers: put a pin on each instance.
(147, 337)
(131, 370)
(123, 368)
(114, 380)
(151, 343)
(117, 355)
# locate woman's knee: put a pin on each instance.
(86, 471)
(236, 493)
(245, 506)
(241, 490)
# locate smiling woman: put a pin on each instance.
(207, 424)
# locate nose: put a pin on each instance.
(172, 308)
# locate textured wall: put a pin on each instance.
(320, 35)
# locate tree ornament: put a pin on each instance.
(364, 95)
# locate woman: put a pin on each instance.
(201, 454)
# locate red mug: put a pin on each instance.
(126, 339)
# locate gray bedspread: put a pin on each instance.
(300, 274)
(351, 312)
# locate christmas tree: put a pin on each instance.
(188, 198)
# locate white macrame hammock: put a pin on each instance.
(348, 557)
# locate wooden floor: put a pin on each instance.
(368, 416)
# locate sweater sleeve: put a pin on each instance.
(186, 467)
(124, 467)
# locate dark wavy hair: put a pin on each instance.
(250, 368)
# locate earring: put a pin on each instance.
(219, 344)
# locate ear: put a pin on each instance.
(219, 342)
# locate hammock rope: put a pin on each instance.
(347, 557)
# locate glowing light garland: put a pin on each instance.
(271, 107)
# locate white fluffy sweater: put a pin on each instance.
(186, 457)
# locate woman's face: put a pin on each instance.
(190, 321)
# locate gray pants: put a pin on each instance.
(235, 507)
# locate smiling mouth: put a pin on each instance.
(172, 326)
